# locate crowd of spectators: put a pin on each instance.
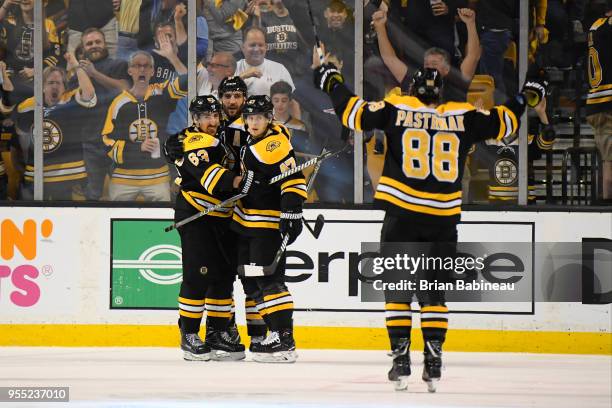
(114, 80)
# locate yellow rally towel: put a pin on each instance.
(237, 20)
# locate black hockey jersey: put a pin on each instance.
(599, 98)
(129, 122)
(259, 213)
(203, 179)
(62, 139)
(7, 134)
(426, 149)
(502, 162)
(234, 136)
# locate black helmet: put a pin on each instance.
(232, 84)
(258, 105)
(427, 85)
(204, 103)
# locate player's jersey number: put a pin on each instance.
(420, 158)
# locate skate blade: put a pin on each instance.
(432, 384)
(220, 355)
(280, 357)
(401, 384)
(187, 356)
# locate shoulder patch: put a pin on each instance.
(272, 149)
(198, 140)
(272, 145)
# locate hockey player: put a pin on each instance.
(208, 264)
(420, 188)
(233, 93)
(262, 219)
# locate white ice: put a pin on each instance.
(158, 377)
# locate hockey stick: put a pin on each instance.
(316, 36)
(320, 221)
(257, 270)
(237, 197)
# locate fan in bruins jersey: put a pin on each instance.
(209, 267)
(599, 99)
(64, 171)
(135, 122)
(502, 159)
(420, 188)
(262, 218)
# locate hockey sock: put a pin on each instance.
(277, 310)
(218, 312)
(398, 319)
(434, 322)
(256, 326)
(190, 314)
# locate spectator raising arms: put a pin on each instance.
(64, 172)
(135, 121)
(225, 19)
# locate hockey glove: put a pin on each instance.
(173, 148)
(291, 224)
(534, 91)
(326, 77)
(249, 183)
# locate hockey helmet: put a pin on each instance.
(204, 103)
(232, 84)
(427, 85)
(258, 105)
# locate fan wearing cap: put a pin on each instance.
(263, 218)
(420, 189)
(208, 247)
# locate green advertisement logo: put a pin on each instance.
(146, 268)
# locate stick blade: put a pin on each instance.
(319, 223)
(169, 228)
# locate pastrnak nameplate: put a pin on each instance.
(146, 265)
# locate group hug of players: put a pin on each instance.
(235, 147)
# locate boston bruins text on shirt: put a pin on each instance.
(427, 149)
(62, 140)
(599, 98)
(129, 122)
(269, 156)
(203, 177)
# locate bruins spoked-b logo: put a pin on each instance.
(506, 172)
(143, 128)
(52, 136)
(273, 145)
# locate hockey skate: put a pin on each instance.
(432, 365)
(255, 343)
(222, 345)
(278, 347)
(400, 371)
(194, 348)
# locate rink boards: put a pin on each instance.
(110, 276)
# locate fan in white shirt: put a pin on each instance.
(258, 72)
